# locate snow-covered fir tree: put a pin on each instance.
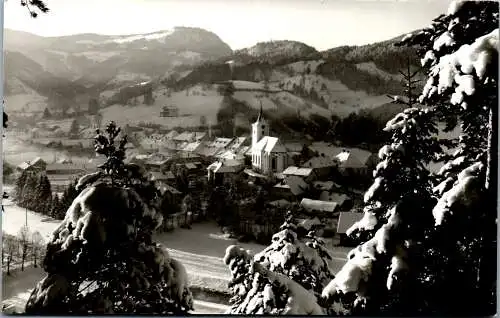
(102, 258)
(287, 277)
(423, 249)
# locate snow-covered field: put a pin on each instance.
(15, 217)
(16, 152)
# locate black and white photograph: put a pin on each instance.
(250, 157)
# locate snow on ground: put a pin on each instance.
(191, 107)
(17, 288)
(16, 152)
(124, 76)
(98, 56)
(158, 36)
(14, 218)
(27, 101)
(372, 68)
(200, 249)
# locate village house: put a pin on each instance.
(269, 155)
(355, 161)
(171, 135)
(307, 174)
(63, 173)
(290, 188)
(319, 208)
(351, 161)
(35, 165)
(323, 166)
(156, 163)
(211, 148)
(326, 211)
(346, 220)
(224, 171)
(161, 178)
(344, 202)
(169, 111)
(192, 147)
(182, 139)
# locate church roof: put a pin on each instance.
(269, 144)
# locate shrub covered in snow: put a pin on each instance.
(102, 260)
(259, 290)
(287, 277)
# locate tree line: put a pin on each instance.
(33, 191)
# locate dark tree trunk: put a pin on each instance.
(488, 260)
(9, 259)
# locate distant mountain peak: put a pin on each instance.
(278, 47)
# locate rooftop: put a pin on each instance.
(295, 171)
(317, 205)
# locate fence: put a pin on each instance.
(173, 221)
(250, 227)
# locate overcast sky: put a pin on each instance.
(240, 23)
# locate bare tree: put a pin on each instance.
(24, 237)
(37, 243)
(409, 83)
(10, 245)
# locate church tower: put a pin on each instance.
(260, 128)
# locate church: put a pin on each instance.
(269, 155)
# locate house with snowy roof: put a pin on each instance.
(290, 188)
(269, 155)
(307, 174)
(355, 161)
(343, 200)
(223, 171)
(192, 147)
(319, 207)
(171, 134)
(35, 165)
(212, 148)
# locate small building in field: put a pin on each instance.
(35, 165)
(169, 111)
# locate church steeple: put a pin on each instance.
(260, 127)
(261, 115)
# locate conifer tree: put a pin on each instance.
(102, 258)
(30, 191)
(55, 207)
(19, 189)
(43, 194)
(46, 114)
(292, 255)
(74, 129)
(424, 247)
